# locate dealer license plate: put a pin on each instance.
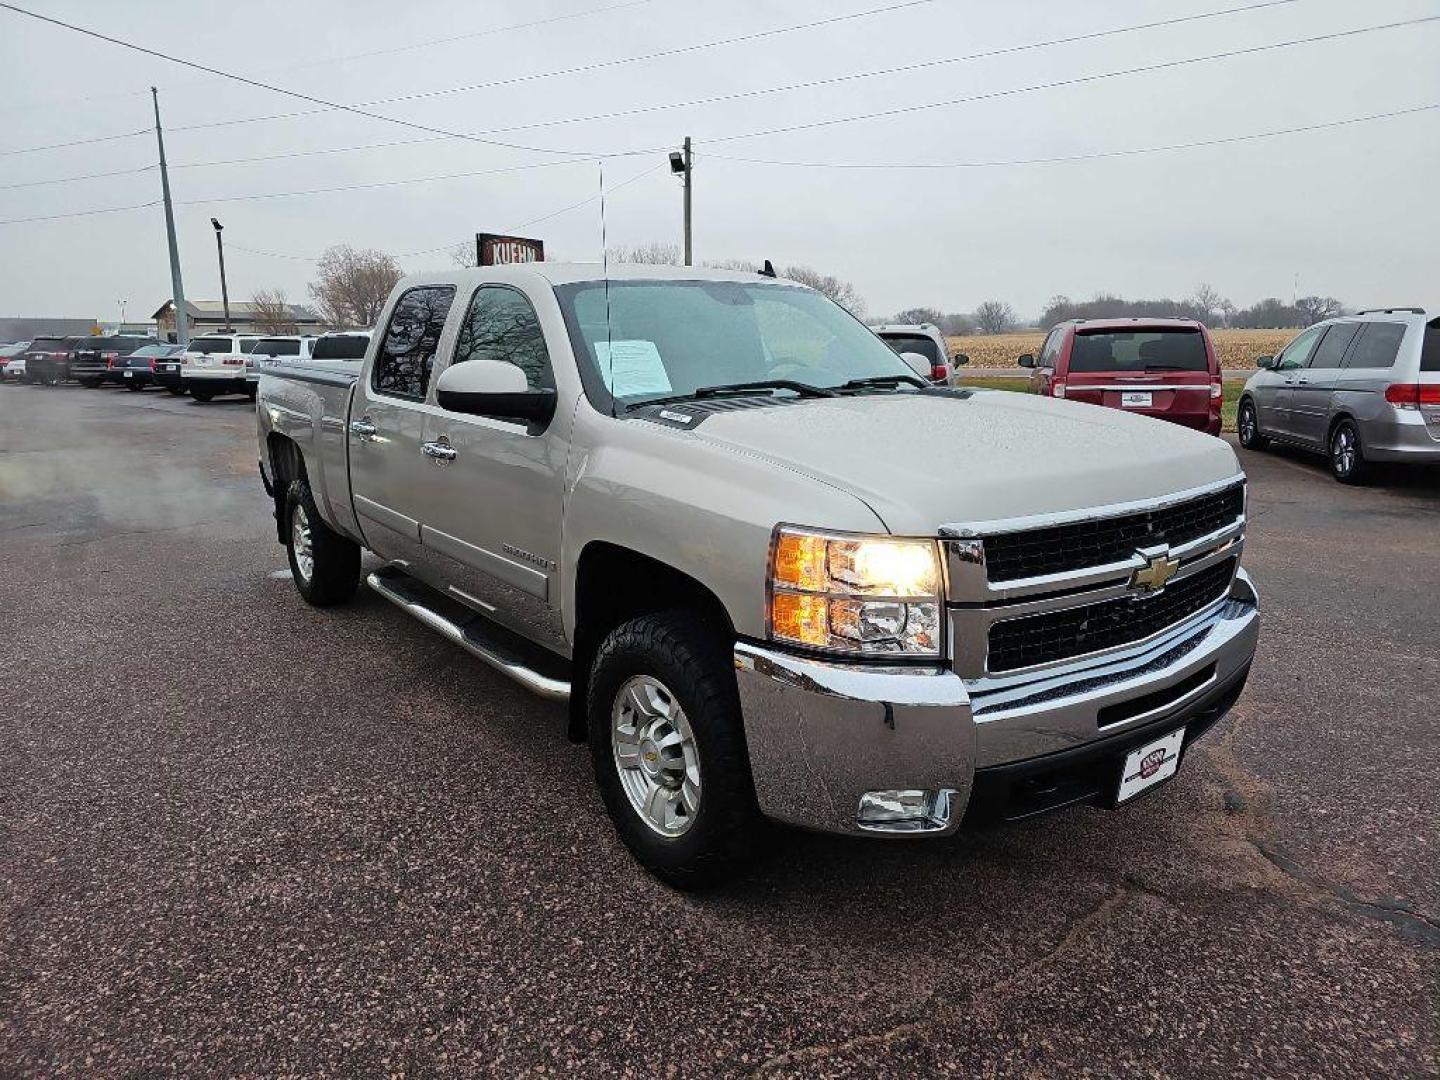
(1150, 764)
(1136, 399)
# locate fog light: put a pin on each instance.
(904, 811)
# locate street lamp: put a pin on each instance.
(122, 315)
(224, 290)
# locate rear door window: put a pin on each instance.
(1139, 350)
(210, 345)
(1331, 350)
(1377, 347)
(407, 351)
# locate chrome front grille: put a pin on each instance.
(1026, 553)
(1034, 596)
(1087, 628)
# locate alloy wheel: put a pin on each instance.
(655, 755)
(1342, 449)
(302, 543)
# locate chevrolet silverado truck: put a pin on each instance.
(682, 502)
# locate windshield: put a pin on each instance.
(1139, 350)
(668, 338)
(916, 343)
(341, 347)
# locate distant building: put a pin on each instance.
(208, 317)
(27, 329)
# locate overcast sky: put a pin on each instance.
(1351, 210)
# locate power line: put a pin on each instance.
(1076, 81)
(77, 142)
(73, 179)
(327, 105)
(313, 61)
(598, 65)
(82, 213)
(375, 184)
(1095, 156)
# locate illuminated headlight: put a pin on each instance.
(872, 595)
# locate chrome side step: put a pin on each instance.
(531, 666)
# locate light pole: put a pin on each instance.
(224, 289)
(680, 165)
(122, 315)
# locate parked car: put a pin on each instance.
(169, 370)
(925, 340)
(685, 502)
(217, 364)
(12, 364)
(93, 362)
(1360, 389)
(47, 361)
(280, 347)
(1165, 368)
(139, 369)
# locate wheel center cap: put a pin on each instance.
(650, 757)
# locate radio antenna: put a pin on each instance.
(605, 273)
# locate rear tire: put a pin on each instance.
(201, 393)
(324, 564)
(1347, 456)
(1247, 425)
(178, 391)
(662, 695)
(90, 384)
(131, 384)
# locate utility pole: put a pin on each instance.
(177, 287)
(680, 165)
(224, 289)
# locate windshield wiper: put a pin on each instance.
(800, 388)
(883, 380)
(740, 389)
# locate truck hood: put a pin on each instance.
(923, 461)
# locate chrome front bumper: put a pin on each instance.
(821, 734)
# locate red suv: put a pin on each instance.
(1166, 368)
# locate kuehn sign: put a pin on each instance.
(493, 250)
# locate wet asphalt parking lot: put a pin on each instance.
(240, 836)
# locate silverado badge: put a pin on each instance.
(1158, 569)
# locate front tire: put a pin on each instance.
(1347, 456)
(668, 747)
(131, 384)
(324, 564)
(1247, 425)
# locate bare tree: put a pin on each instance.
(842, 292)
(653, 254)
(463, 254)
(271, 312)
(1315, 309)
(742, 265)
(994, 317)
(1209, 303)
(915, 315)
(351, 286)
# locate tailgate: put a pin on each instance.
(1174, 391)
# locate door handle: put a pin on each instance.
(440, 451)
(363, 429)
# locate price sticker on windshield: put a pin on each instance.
(630, 368)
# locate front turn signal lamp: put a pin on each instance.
(873, 596)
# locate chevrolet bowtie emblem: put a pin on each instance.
(1158, 569)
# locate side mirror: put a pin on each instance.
(919, 364)
(1266, 362)
(960, 359)
(493, 388)
(1026, 360)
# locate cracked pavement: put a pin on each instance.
(241, 836)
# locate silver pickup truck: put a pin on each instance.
(684, 502)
